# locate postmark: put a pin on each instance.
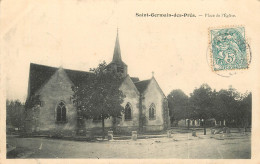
(228, 49)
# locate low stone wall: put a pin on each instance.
(97, 131)
(50, 133)
(127, 130)
(152, 128)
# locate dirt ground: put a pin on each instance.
(181, 145)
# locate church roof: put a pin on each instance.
(78, 77)
(40, 74)
(117, 53)
(135, 79)
(142, 85)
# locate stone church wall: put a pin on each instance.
(132, 97)
(57, 89)
(153, 95)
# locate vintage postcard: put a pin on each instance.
(130, 81)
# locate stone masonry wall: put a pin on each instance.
(132, 97)
(57, 89)
(153, 95)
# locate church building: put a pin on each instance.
(146, 106)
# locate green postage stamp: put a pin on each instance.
(228, 48)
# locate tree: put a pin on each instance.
(32, 102)
(225, 105)
(201, 103)
(100, 97)
(178, 105)
(32, 113)
(244, 110)
(15, 113)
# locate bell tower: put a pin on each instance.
(117, 64)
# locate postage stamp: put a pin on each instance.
(228, 48)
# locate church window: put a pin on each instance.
(61, 112)
(128, 112)
(152, 112)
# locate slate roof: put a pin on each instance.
(40, 74)
(78, 77)
(135, 79)
(142, 85)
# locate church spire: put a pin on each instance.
(117, 53)
(117, 64)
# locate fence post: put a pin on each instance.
(110, 135)
(194, 133)
(134, 135)
(169, 133)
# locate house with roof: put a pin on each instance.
(146, 106)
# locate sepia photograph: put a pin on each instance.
(95, 80)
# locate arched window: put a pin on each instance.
(128, 112)
(152, 112)
(61, 112)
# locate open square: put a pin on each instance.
(180, 146)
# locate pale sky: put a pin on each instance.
(79, 34)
